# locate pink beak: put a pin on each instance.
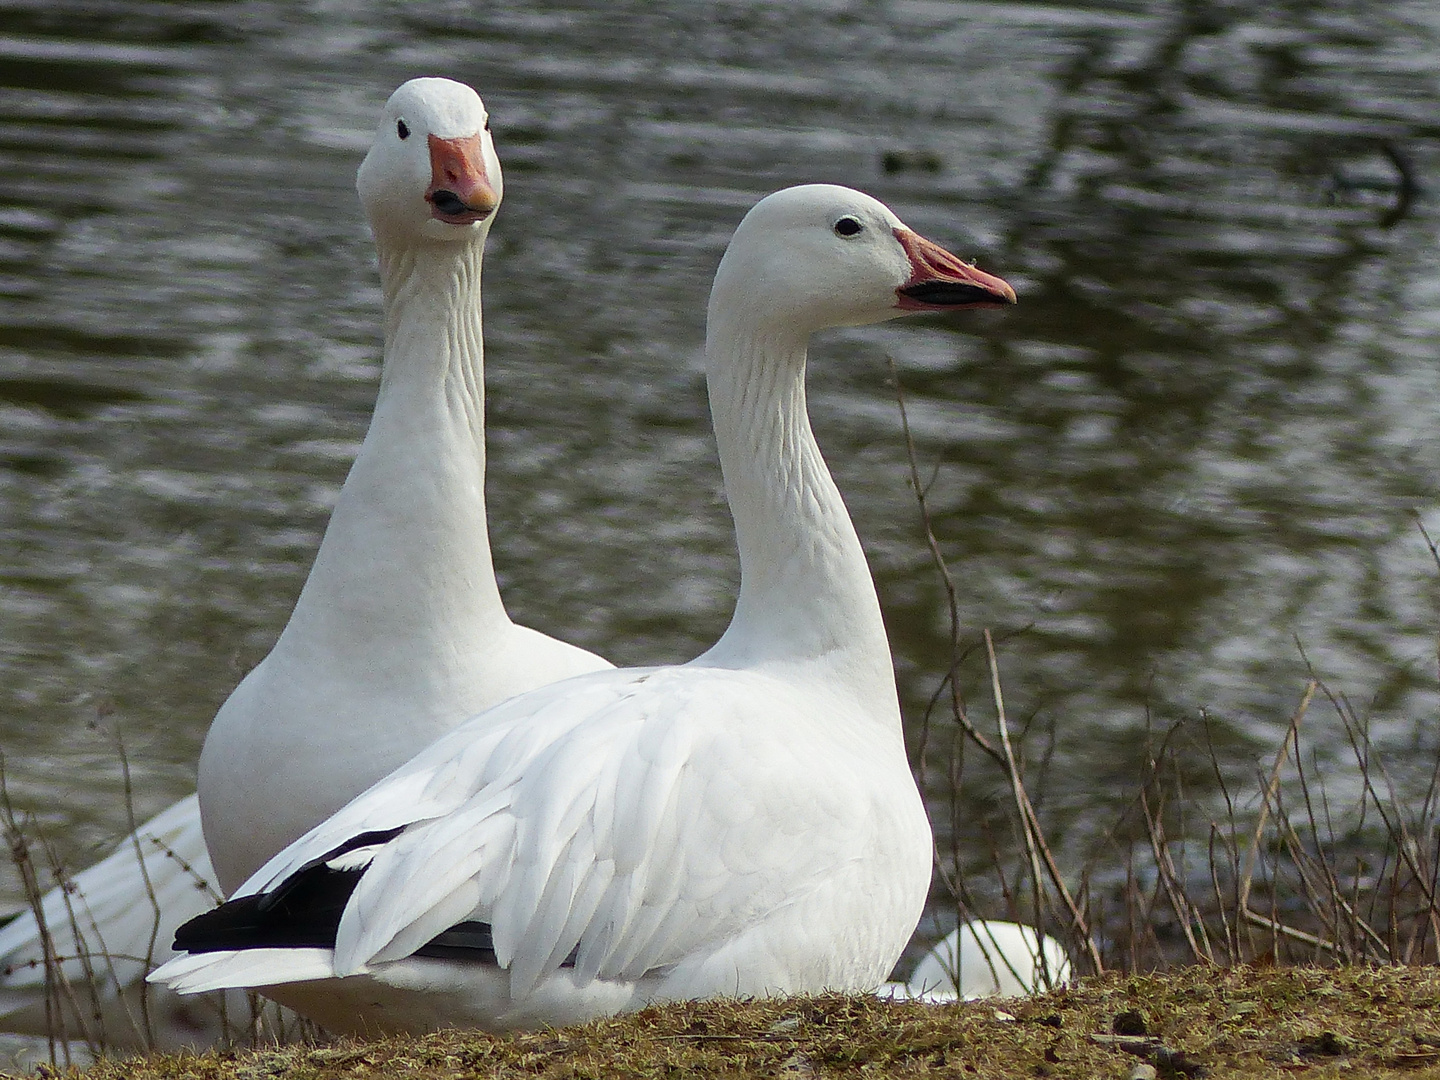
(940, 282)
(459, 191)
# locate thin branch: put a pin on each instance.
(1031, 823)
(1291, 734)
(938, 557)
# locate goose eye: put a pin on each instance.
(847, 226)
(487, 123)
(402, 129)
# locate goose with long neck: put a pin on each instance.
(743, 824)
(399, 632)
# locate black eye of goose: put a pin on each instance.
(402, 129)
(848, 226)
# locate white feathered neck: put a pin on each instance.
(806, 594)
(405, 566)
(404, 579)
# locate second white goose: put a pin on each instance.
(399, 632)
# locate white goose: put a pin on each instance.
(742, 824)
(399, 632)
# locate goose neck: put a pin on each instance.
(805, 589)
(405, 565)
(433, 328)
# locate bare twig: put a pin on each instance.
(20, 856)
(1030, 823)
(1270, 790)
(936, 556)
(148, 1029)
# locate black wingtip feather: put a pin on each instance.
(306, 916)
(304, 912)
(469, 941)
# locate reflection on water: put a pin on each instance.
(1202, 436)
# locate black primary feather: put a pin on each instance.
(304, 912)
(470, 941)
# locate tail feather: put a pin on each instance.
(234, 968)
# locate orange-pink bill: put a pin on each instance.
(459, 191)
(940, 282)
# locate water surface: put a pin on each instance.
(1201, 441)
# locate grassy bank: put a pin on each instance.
(1190, 1022)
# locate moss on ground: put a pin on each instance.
(1242, 1022)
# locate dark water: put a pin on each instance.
(1204, 435)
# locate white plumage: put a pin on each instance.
(746, 823)
(107, 933)
(986, 958)
(399, 633)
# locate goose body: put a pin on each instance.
(986, 958)
(399, 632)
(107, 930)
(743, 824)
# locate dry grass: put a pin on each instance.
(1199, 1021)
(1324, 860)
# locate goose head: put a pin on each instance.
(819, 255)
(431, 173)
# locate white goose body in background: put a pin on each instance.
(743, 824)
(399, 633)
(986, 958)
(108, 930)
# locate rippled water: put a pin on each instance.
(1202, 436)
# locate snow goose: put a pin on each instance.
(399, 632)
(742, 824)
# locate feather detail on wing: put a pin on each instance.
(441, 778)
(644, 820)
(246, 967)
